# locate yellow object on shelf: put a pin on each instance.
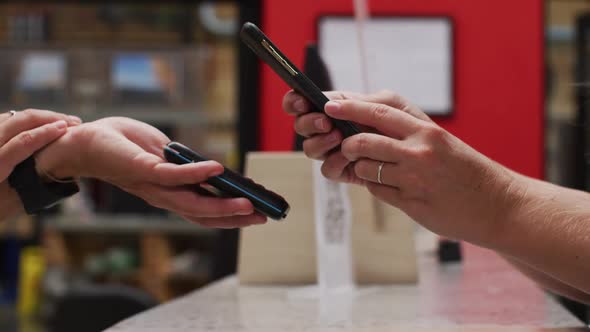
(32, 265)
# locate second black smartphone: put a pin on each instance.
(260, 44)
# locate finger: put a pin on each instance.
(168, 174)
(318, 146)
(390, 195)
(343, 95)
(295, 104)
(372, 146)
(390, 121)
(29, 119)
(334, 166)
(399, 102)
(311, 124)
(187, 202)
(228, 222)
(386, 97)
(26, 144)
(5, 116)
(203, 206)
(368, 170)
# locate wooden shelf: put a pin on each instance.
(162, 115)
(126, 224)
(192, 118)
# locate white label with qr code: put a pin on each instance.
(333, 219)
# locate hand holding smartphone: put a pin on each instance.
(232, 184)
(271, 55)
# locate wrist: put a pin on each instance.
(63, 158)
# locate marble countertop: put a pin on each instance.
(483, 293)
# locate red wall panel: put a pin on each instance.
(498, 71)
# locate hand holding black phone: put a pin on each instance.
(271, 55)
(232, 184)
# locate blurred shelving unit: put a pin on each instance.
(117, 224)
(71, 241)
(566, 101)
(170, 64)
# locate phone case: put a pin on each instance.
(264, 48)
(232, 184)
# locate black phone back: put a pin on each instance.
(264, 48)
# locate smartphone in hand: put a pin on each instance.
(232, 184)
(268, 52)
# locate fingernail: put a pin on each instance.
(243, 213)
(215, 173)
(332, 106)
(320, 124)
(74, 119)
(61, 124)
(299, 105)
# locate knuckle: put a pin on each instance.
(302, 125)
(310, 149)
(307, 150)
(355, 146)
(338, 95)
(30, 114)
(360, 168)
(388, 94)
(26, 138)
(327, 171)
(424, 152)
(379, 112)
(433, 133)
(362, 142)
(158, 176)
(299, 126)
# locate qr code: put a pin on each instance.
(334, 214)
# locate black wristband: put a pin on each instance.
(35, 194)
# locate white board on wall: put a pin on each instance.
(410, 55)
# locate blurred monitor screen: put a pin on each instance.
(409, 55)
(146, 78)
(41, 78)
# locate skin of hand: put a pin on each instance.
(427, 172)
(128, 154)
(21, 135)
(452, 189)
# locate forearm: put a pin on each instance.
(548, 228)
(547, 282)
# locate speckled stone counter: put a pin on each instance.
(483, 293)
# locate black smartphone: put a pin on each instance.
(232, 184)
(258, 42)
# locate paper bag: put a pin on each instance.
(285, 252)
